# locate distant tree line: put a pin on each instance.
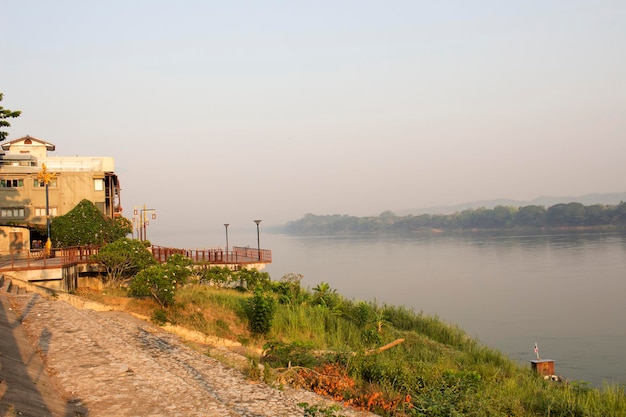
(569, 215)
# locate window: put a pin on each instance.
(11, 183)
(98, 184)
(40, 184)
(11, 212)
(41, 211)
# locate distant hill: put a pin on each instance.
(546, 201)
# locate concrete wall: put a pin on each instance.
(53, 279)
(14, 238)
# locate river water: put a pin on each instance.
(565, 291)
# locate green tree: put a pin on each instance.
(86, 225)
(597, 214)
(122, 259)
(6, 114)
(388, 217)
(530, 216)
(161, 281)
(570, 214)
(619, 213)
(503, 216)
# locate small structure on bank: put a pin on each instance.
(544, 367)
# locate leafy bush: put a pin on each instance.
(289, 290)
(122, 259)
(261, 312)
(180, 266)
(162, 281)
(362, 313)
(254, 278)
(325, 296)
(86, 225)
(154, 281)
(219, 276)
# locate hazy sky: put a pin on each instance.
(223, 112)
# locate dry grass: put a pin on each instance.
(206, 319)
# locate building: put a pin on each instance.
(23, 195)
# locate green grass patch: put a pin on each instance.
(438, 370)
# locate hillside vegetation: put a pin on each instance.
(319, 340)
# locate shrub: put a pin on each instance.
(289, 290)
(326, 297)
(159, 317)
(261, 312)
(179, 266)
(123, 258)
(162, 281)
(254, 278)
(86, 225)
(154, 281)
(220, 276)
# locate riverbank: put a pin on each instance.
(75, 362)
(318, 340)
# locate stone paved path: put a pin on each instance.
(113, 364)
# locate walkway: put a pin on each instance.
(25, 386)
(112, 364)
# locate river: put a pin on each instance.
(565, 291)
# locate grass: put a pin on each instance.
(437, 371)
(219, 312)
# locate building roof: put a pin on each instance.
(25, 141)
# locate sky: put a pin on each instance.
(226, 112)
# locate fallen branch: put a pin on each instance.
(383, 348)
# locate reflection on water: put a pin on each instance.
(565, 290)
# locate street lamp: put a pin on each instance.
(226, 226)
(141, 212)
(258, 241)
(145, 222)
(45, 177)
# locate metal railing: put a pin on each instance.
(40, 259)
(238, 255)
(60, 257)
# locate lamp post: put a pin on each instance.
(142, 222)
(45, 177)
(145, 222)
(258, 241)
(226, 226)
